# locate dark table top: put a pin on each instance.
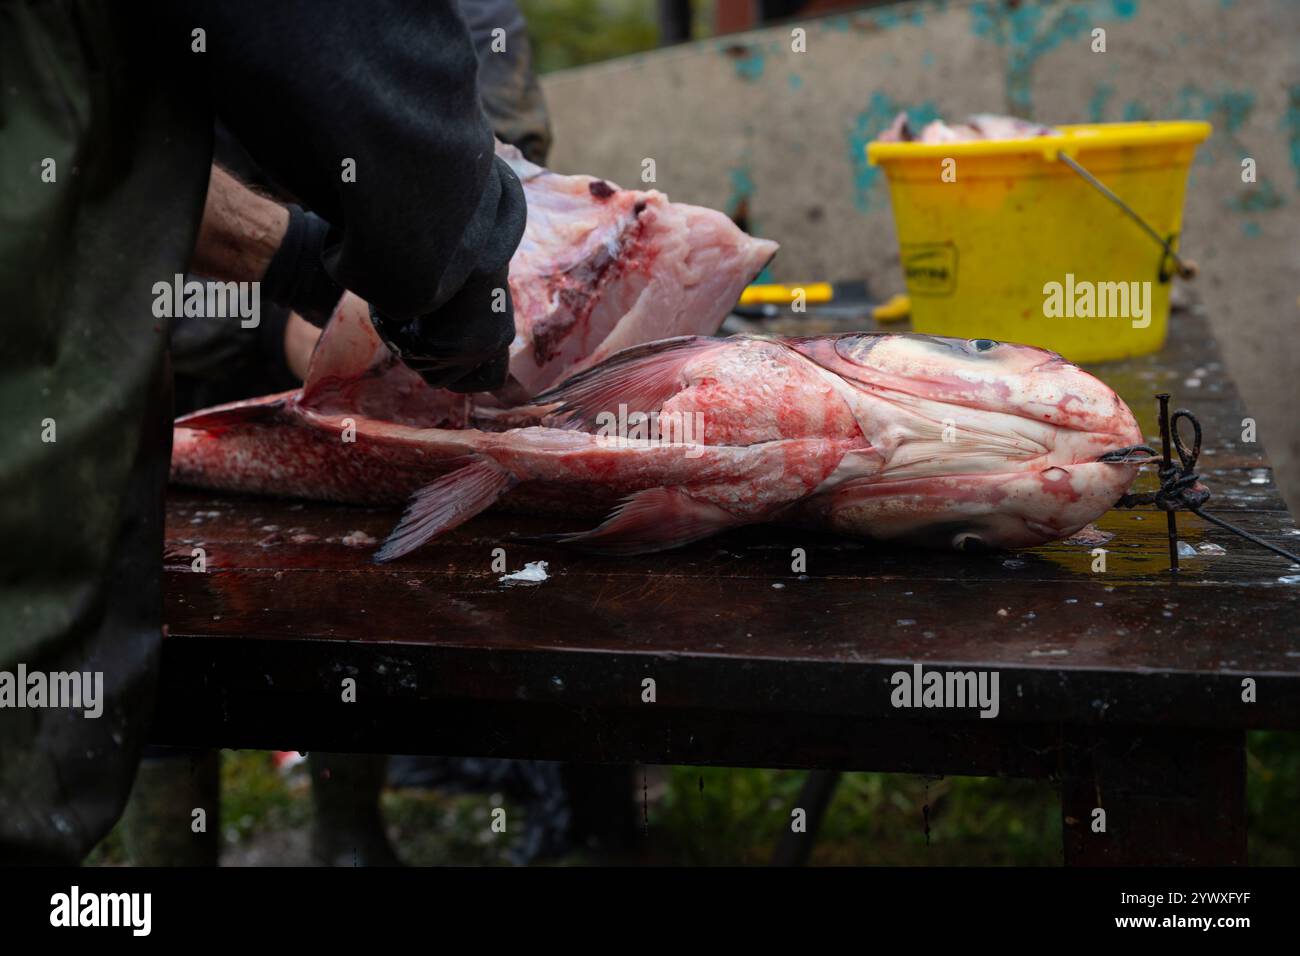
(726, 627)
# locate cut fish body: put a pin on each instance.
(598, 269)
(602, 268)
(942, 441)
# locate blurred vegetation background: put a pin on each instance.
(568, 33)
(719, 816)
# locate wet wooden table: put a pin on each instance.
(1129, 687)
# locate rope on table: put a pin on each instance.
(1180, 487)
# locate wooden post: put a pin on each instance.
(1170, 797)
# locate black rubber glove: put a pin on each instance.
(296, 277)
(465, 345)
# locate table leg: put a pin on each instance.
(1170, 797)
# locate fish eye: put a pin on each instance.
(968, 542)
(983, 345)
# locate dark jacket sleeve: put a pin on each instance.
(389, 88)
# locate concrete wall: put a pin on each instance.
(744, 124)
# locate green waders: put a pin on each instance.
(103, 171)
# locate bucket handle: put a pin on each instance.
(1185, 268)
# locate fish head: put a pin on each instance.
(977, 443)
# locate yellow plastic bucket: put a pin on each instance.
(1004, 239)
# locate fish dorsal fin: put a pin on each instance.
(232, 414)
(353, 371)
(640, 378)
(348, 349)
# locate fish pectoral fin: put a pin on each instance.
(639, 379)
(236, 413)
(444, 504)
(654, 520)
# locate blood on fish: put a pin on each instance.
(1056, 481)
(601, 268)
(847, 433)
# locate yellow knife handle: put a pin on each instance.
(764, 293)
(895, 309)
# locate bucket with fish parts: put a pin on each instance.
(1068, 240)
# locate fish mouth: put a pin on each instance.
(1129, 455)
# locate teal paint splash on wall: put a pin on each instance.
(1135, 112)
(742, 190)
(1029, 30)
(1228, 109)
(750, 66)
(887, 18)
(867, 125)
(742, 185)
(1235, 107)
(1291, 125)
(1099, 101)
(1262, 197)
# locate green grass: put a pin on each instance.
(1273, 797)
(738, 816)
(256, 798)
(433, 829)
(877, 818)
(874, 818)
(566, 33)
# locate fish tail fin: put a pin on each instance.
(655, 519)
(444, 504)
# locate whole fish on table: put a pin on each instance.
(945, 442)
